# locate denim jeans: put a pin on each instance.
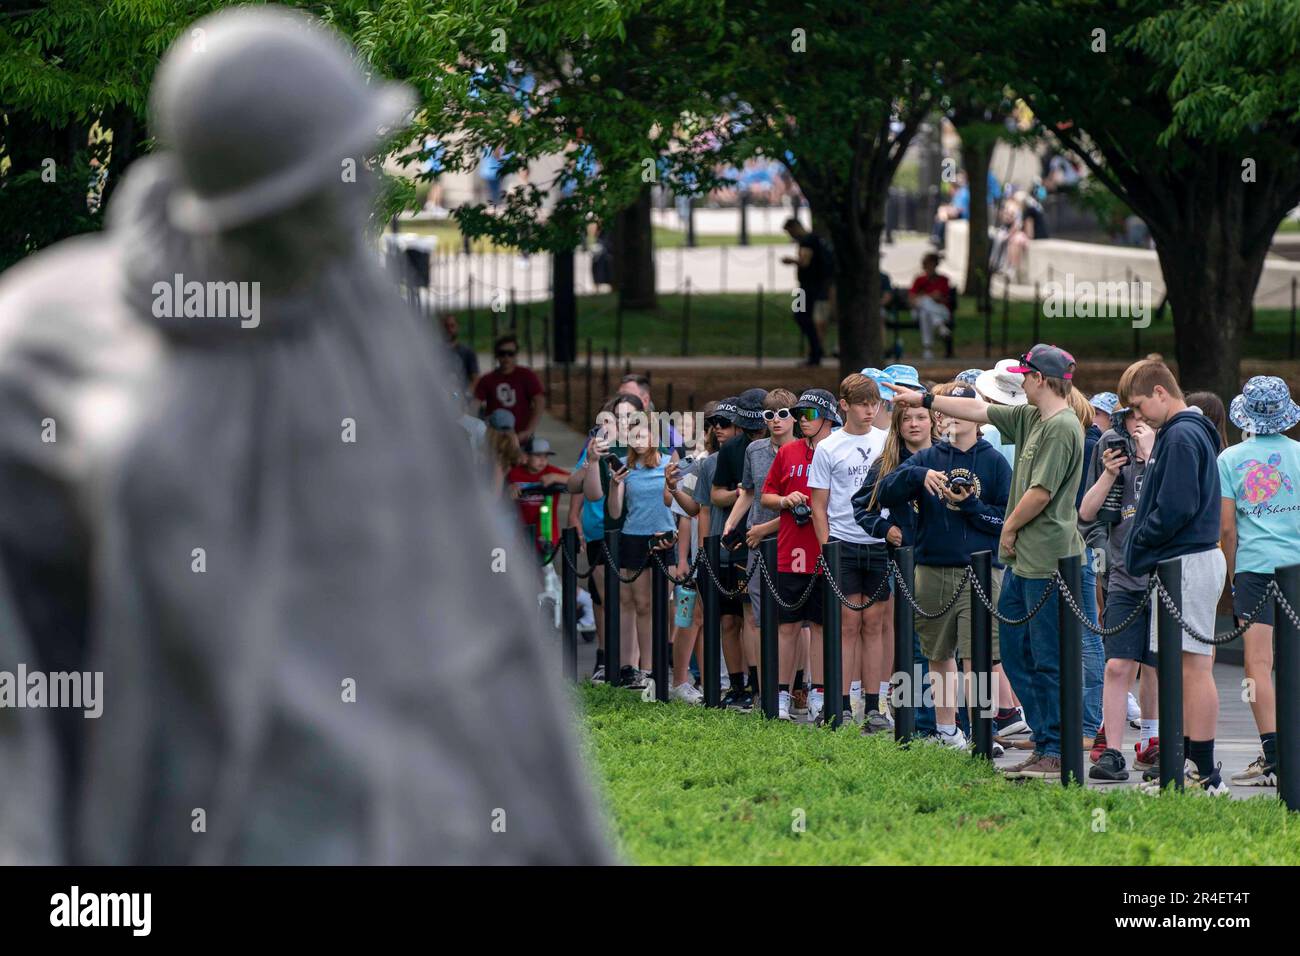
(1031, 657)
(1094, 655)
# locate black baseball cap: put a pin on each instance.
(1048, 361)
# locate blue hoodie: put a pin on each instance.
(870, 519)
(946, 536)
(1178, 512)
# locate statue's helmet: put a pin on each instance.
(261, 107)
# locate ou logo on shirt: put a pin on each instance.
(506, 395)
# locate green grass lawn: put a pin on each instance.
(685, 785)
(727, 324)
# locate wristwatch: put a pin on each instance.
(927, 401)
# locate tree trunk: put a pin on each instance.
(857, 284)
(976, 155)
(633, 254)
(1211, 286)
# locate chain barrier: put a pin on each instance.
(1104, 631)
(689, 576)
(966, 578)
(582, 575)
(835, 586)
(764, 570)
(725, 592)
(1015, 622)
(617, 570)
(1176, 613)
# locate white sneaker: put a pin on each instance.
(815, 702)
(783, 706)
(954, 741)
(687, 694)
(598, 676)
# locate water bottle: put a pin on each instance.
(686, 594)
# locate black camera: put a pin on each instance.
(1111, 510)
(802, 514)
(960, 483)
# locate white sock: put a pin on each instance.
(815, 699)
(855, 687)
(884, 691)
(1150, 728)
(948, 730)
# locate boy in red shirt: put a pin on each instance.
(797, 546)
(533, 470)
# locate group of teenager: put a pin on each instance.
(1013, 460)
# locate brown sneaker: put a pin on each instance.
(1046, 768)
(1019, 769)
(799, 702)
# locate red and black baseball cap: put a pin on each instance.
(1048, 361)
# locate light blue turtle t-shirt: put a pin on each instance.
(1262, 476)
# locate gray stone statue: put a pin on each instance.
(231, 481)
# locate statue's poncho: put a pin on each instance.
(327, 561)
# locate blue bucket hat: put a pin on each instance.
(503, 420)
(883, 382)
(1105, 402)
(969, 377)
(1264, 407)
(905, 375)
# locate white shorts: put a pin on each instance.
(1203, 576)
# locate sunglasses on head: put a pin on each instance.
(770, 415)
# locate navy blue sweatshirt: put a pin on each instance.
(871, 521)
(1178, 512)
(947, 535)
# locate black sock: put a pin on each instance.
(1201, 753)
(1269, 742)
(783, 687)
(753, 680)
(873, 702)
(848, 704)
(600, 656)
(798, 679)
(737, 681)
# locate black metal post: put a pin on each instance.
(904, 636)
(613, 656)
(569, 603)
(686, 317)
(767, 657)
(981, 656)
(1070, 641)
(832, 649)
(618, 326)
(588, 417)
(1291, 346)
(744, 225)
(758, 329)
(1169, 664)
(1287, 664)
(659, 630)
(712, 625)
(690, 222)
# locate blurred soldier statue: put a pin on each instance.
(231, 481)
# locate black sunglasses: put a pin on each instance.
(507, 353)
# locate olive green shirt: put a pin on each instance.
(1049, 455)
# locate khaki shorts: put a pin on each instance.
(941, 636)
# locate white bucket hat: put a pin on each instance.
(999, 384)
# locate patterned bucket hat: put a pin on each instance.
(1264, 406)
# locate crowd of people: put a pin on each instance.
(1014, 460)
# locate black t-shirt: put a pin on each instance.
(468, 360)
(815, 277)
(731, 468)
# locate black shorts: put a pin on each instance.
(1247, 589)
(791, 587)
(729, 576)
(863, 569)
(1134, 642)
(633, 553)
